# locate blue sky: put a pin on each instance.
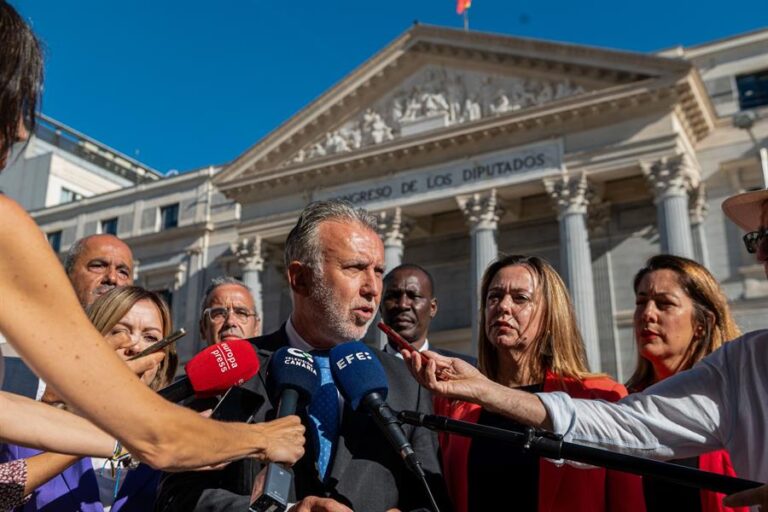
(181, 85)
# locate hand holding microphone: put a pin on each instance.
(292, 380)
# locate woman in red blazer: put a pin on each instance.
(529, 339)
(681, 316)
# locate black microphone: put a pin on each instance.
(363, 383)
(292, 380)
(214, 370)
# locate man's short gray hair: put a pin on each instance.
(73, 253)
(302, 243)
(221, 281)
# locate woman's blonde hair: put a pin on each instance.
(558, 346)
(710, 310)
(107, 310)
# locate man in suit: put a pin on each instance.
(335, 263)
(408, 306)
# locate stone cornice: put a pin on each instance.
(421, 45)
(670, 93)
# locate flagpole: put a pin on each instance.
(466, 20)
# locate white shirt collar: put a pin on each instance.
(294, 338)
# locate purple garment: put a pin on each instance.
(76, 489)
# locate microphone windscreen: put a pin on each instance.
(221, 366)
(291, 368)
(357, 372)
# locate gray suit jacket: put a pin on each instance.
(366, 474)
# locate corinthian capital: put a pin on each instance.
(671, 176)
(570, 194)
(393, 226)
(482, 210)
(250, 253)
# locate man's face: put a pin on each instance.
(230, 314)
(104, 263)
(407, 305)
(346, 287)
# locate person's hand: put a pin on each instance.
(749, 498)
(317, 504)
(146, 367)
(447, 376)
(283, 439)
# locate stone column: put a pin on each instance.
(251, 254)
(482, 212)
(571, 195)
(671, 179)
(698, 212)
(392, 229)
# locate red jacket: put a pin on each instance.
(561, 488)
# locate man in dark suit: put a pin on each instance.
(334, 261)
(408, 306)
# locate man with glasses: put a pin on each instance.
(229, 312)
(722, 402)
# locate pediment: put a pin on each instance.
(433, 98)
(432, 80)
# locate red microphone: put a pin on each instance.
(214, 370)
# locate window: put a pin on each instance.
(54, 238)
(68, 196)
(109, 226)
(169, 216)
(753, 89)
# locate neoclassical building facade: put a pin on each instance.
(468, 145)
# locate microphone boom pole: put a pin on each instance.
(552, 446)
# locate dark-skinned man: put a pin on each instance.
(408, 306)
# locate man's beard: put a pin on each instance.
(337, 318)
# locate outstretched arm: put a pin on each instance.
(68, 353)
(454, 378)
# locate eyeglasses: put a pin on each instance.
(220, 314)
(753, 239)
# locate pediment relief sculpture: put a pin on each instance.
(435, 98)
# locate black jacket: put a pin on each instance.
(366, 474)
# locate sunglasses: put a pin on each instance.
(754, 238)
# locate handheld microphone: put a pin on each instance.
(292, 380)
(363, 384)
(214, 370)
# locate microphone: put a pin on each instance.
(214, 370)
(363, 384)
(292, 380)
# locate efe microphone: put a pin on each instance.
(214, 370)
(363, 384)
(292, 380)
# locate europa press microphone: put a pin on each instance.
(362, 382)
(292, 380)
(214, 370)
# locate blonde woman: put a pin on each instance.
(528, 340)
(143, 318)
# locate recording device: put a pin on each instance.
(292, 380)
(214, 370)
(363, 383)
(160, 345)
(401, 343)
